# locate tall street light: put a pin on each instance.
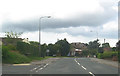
(40, 19)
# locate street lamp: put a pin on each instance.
(40, 29)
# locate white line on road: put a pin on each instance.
(91, 73)
(78, 63)
(35, 68)
(83, 67)
(39, 69)
(42, 68)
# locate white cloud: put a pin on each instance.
(90, 13)
(22, 9)
(111, 26)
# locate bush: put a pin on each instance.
(13, 57)
(100, 55)
(25, 48)
(107, 55)
(5, 52)
(11, 47)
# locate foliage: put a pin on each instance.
(64, 47)
(85, 53)
(43, 50)
(100, 55)
(118, 48)
(11, 47)
(13, 34)
(27, 49)
(93, 47)
(105, 45)
(12, 57)
(107, 54)
(93, 44)
(5, 52)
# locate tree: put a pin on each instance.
(93, 47)
(64, 47)
(118, 48)
(43, 50)
(118, 45)
(13, 34)
(106, 45)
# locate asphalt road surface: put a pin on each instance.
(63, 66)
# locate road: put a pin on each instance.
(63, 66)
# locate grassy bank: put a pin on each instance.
(14, 57)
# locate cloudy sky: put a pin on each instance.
(76, 20)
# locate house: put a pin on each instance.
(77, 48)
(26, 40)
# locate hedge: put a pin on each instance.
(107, 55)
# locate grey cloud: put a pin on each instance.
(87, 19)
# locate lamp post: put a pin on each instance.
(39, 31)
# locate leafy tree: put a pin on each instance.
(105, 45)
(43, 50)
(93, 47)
(54, 49)
(27, 49)
(118, 48)
(13, 34)
(64, 47)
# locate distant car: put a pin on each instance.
(54, 55)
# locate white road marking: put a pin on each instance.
(42, 68)
(83, 67)
(78, 63)
(35, 68)
(91, 73)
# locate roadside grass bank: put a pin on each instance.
(14, 57)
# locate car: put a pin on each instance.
(54, 55)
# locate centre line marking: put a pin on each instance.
(83, 67)
(78, 63)
(91, 73)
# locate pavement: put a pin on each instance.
(91, 66)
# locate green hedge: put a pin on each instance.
(100, 55)
(107, 55)
(25, 48)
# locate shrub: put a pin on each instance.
(13, 57)
(11, 47)
(100, 55)
(5, 52)
(107, 55)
